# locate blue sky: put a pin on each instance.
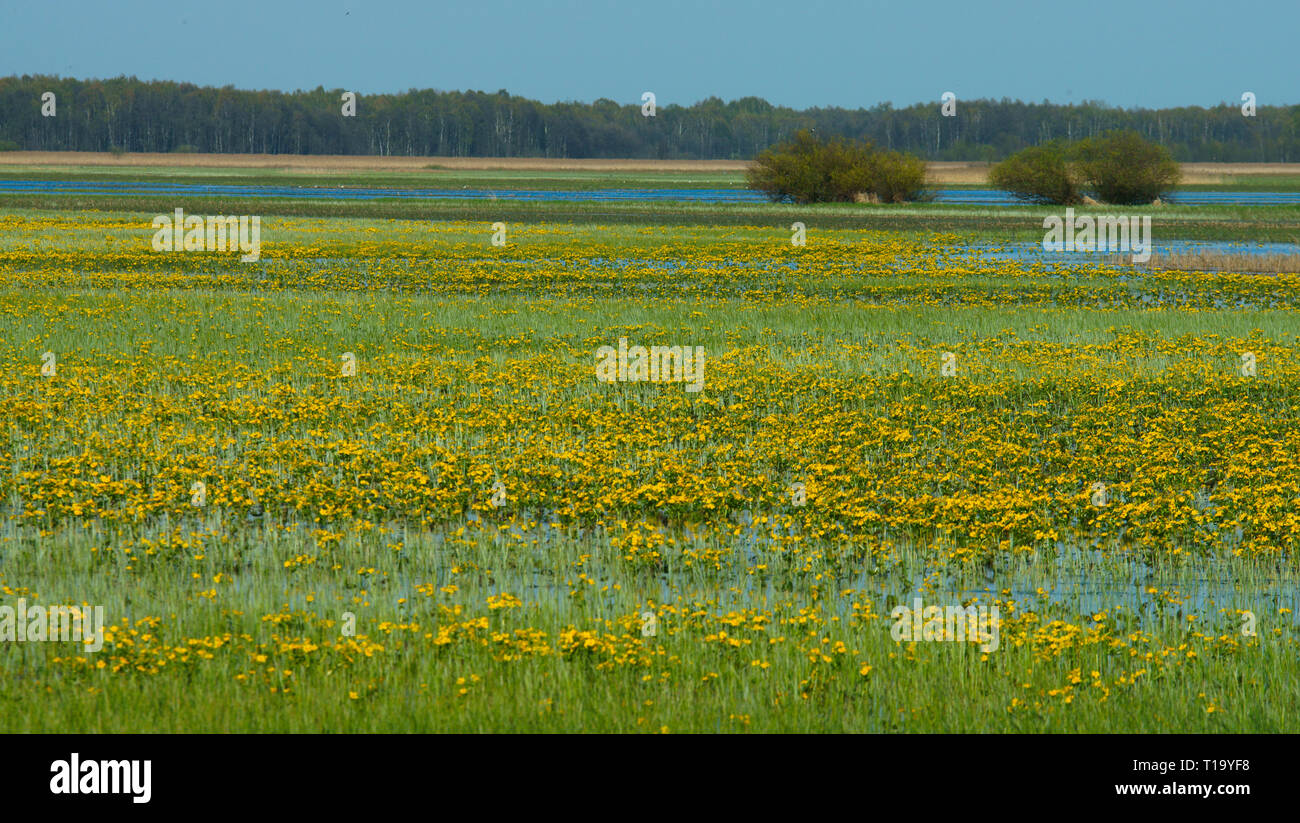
(799, 53)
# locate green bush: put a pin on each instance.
(116, 151)
(184, 149)
(897, 177)
(1041, 174)
(1118, 167)
(1123, 168)
(803, 169)
(808, 170)
(9, 145)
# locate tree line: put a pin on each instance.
(126, 114)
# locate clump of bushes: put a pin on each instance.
(1123, 168)
(896, 176)
(1117, 167)
(184, 148)
(1040, 174)
(809, 170)
(8, 145)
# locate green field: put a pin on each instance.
(468, 533)
(974, 223)
(431, 177)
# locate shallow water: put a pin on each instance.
(992, 197)
(1030, 252)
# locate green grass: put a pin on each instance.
(935, 687)
(476, 369)
(429, 178)
(992, 224)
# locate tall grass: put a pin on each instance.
(332, 498)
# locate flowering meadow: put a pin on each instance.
(371, 482)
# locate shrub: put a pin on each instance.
(8, 145)
(850, 169)
(1040, 174)
(116, 151)
(1118, 167)
(801, 169)
(185, 148)
(897, 177)
(808, 170)
(1125, 169)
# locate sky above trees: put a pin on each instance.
(798, 54)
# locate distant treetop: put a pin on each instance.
(157, 116)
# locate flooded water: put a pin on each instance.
(990, 197)
(341, 193)
(997, 197)
(1030, 252)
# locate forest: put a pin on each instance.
(127, 114)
